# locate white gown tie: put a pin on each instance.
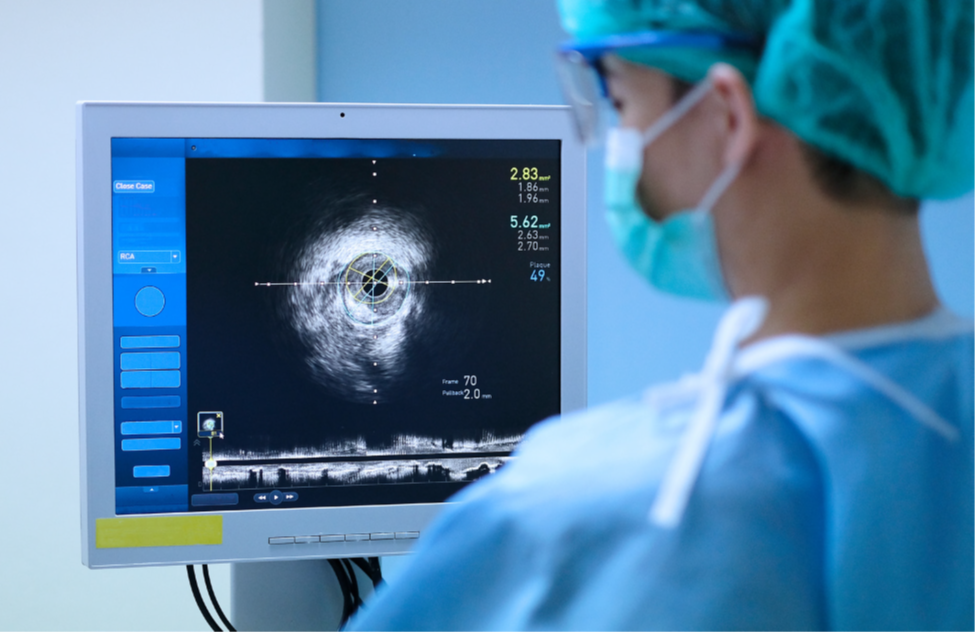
(724, 365)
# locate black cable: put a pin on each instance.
(356, 597)
(199, 599)
(378, 569)
(213, 599)
(348, 605)
(348, 582)
(362, 563)
(370, 566)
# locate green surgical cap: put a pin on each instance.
(885, 85)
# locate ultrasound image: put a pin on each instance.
(352, 303)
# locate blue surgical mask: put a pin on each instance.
(680, 254)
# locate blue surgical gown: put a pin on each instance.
(820, 503)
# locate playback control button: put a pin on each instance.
(275, 497)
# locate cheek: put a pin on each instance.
(679, 167)
(666, 185)
(656, 190)
(642, 105)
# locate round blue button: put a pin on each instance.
(150, 301)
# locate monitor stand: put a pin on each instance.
(301, 595)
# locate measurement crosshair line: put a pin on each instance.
(349, 283)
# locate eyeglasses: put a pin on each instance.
(583, 81)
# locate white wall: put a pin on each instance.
(53, 53)
(290, 50)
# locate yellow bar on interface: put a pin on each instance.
(122, 533)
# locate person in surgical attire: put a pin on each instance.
(818, 471)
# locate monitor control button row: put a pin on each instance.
(346, 537)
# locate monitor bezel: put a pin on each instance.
(245, 533)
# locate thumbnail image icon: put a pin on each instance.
(209, 424)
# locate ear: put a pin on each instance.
(739, 120)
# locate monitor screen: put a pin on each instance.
(316, 339)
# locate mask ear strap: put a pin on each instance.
(671, 116)
(719, 186)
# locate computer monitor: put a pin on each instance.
(304, 327)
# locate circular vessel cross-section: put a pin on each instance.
(374, 288)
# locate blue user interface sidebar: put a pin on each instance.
(149, 286)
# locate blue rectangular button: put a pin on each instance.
(141, 445)
(156, 499)
(150, 379)
(213, 500)
(151, 360)
(156, 401)
(149, 342)
(151, 427)
(149, 257)
(150, 471)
